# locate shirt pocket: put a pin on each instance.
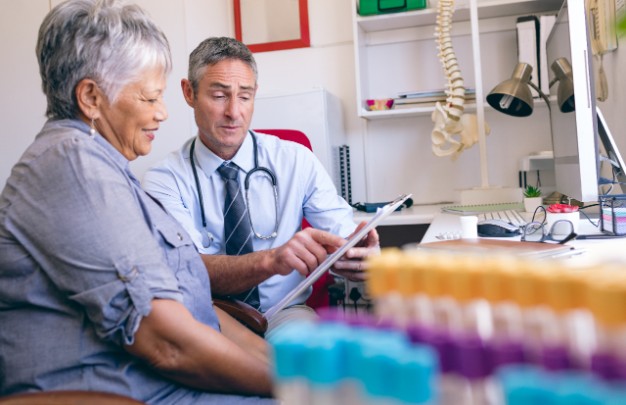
(191, 274)
(178, 247)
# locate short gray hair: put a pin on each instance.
(108, 41)
(216, 49)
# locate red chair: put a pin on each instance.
(319, 297)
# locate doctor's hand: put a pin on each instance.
(352, 265)
(304, 252)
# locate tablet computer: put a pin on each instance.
(332, 258)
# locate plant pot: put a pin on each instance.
(552, 217)
(531, 203)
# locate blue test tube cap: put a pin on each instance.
(325, 355)
(418, 375)
(579, 388)
(378, 373)
(615, 394)
(288, 350)
(524, 384)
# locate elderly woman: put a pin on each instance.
(100, 289)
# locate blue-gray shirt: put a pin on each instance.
(83, 252)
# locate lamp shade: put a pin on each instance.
(513, 96)
(565, 93)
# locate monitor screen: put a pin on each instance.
(574, 138)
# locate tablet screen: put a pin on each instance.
(332, 258)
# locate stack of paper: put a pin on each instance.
(427, 96)
(528, 46)
(532, 34)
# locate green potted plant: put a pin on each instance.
(621, 25)
(532, 198)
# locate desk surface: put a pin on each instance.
(593, 250)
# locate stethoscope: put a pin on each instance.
(246, 183)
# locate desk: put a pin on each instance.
(594, 250)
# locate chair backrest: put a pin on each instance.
(319, 298)
(289, 135)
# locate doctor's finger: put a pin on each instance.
(361, 252)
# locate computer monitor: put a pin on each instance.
(574, 133)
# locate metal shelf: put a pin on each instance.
(486, 9)
(405, 112)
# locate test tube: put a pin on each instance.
(606, 296)
(497, 288)
(288, 352)
(529, 292)
(465, 286)
(418, 303)
(382, 285)
(573, 322)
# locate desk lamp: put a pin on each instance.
(513, 96)
(565, 94)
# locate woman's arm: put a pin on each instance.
(191, 353)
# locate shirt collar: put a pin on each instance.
(209, 161)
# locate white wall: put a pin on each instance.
(389, 157)
(328, 64)
(22, 104)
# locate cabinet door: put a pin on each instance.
(316, 112)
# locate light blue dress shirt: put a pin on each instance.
(83, 252)
(305, 190)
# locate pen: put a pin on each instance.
(569, 253)
(599, 236)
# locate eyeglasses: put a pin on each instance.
(537, 230)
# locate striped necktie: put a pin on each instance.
(237, 229)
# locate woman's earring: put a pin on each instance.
(92, 131)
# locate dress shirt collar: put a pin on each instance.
(209, 161)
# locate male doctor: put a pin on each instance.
(274, 255)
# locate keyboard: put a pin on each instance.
(511, 216)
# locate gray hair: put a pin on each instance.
(108, 41)
(216, 49)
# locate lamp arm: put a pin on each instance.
(545, 98)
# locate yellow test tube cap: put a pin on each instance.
(409, 276)
(436, 268)
(529, 284)
(464, 280)
(606, 295)
(497, 278)
(566, 288)
(382, 272)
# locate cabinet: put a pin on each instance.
(315, 112)
(391, 57)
